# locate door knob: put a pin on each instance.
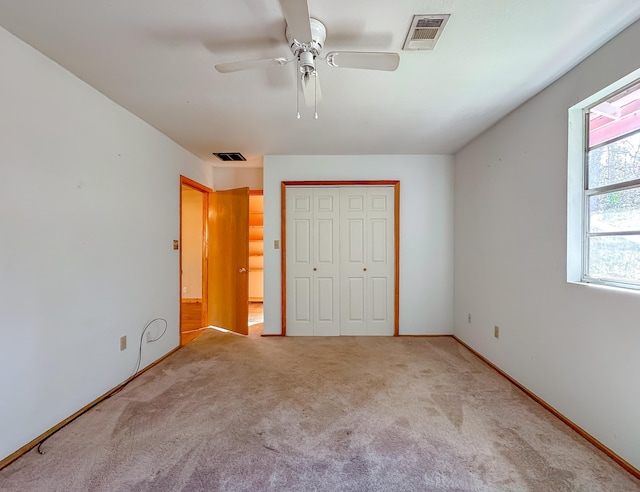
(314, 269)
(242, 270)
(364, 269)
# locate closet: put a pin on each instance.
(340, 260)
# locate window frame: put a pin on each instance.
(579, 193)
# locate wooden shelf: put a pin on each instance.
(255, 219)
(256, 233)
(256, 247)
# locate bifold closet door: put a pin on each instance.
(367, 261)
(312, 283)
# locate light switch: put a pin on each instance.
(175, 244)
(276, 244)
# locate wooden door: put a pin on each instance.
(312, 228)
(367, 261)
(228, 264)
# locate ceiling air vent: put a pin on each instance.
(229, 156)
(425, 31)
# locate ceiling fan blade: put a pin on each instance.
(296, 13)
(368, 60)
(251, 64)
(311, 90)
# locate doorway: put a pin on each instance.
(194, 202)
(256, 261)
(220, 244)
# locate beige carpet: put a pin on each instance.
(239, 413)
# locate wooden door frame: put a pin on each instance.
(184, 181)
(396, 240)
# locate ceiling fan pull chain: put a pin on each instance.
(315, 96)
(298, 86)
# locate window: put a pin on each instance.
(610, 191)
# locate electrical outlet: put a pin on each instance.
(496, 331)
(123, 343)
(469, 318)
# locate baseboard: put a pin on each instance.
(620, 461)
(425, 336)
(27, 447)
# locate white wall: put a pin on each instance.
(575, 346)
(89, 207)
(426, 230)
(227, 178)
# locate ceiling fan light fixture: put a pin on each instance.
(307, 63)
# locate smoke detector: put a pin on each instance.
(425, 31)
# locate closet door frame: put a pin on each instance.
(396, 235)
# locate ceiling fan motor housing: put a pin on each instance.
(307, 50)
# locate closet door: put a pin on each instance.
(367, 261)
(312, 228)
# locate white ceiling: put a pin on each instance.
(156, 58)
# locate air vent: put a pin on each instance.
(425, 31)
(229, 156)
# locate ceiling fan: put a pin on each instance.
(306, 36)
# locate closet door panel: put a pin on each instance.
(302, 300)
(326, 322)
(326, 295)
(352, 261)
(380, 261)
(302, 234)
(352, 305)
(299, 258)
(325, 254)
(379, 242)
(354, 238)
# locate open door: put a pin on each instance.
(228, 268)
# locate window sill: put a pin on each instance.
(607, 286)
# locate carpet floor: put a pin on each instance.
(235, 413)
